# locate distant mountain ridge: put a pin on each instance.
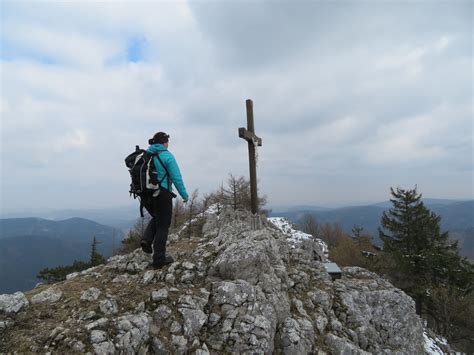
(119, 217)
(457, 217)
(430, 202)
(28, 245)
(124, 217)
(68, 228)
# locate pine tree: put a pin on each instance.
(424, 256)
(96, 258)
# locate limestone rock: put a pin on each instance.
(381, 316)
(175, 327)
(105, 348)
(162, 312)
(159, 295)
(5, 324)
(158, 347)
(108, 306)
(233, 293)
(188, 266)
(98, 336)
(78, 346)
(141, 307)
(192, 310)
(91, 294)
(187, 277)
(179, 342)
(170, 278)
(194, 319)
(248, 319)
(148, 277)
(91, 270)
(72, 275)
(343, 346)
(133, 262)
(87, 315)
(99, 323)
(13, 303)
(297, 336)
(49, 295)
(133, 332)
(203, 351)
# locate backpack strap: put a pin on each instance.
(141, 209)
(166, 170)
(173, 195)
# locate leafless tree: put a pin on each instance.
(310, 225)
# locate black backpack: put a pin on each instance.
(145, 184)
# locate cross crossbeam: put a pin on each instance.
(249, 136)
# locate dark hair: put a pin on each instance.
(160, 137)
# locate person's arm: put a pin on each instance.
(176, 178)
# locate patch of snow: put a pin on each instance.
(430, 344)
(295, 236)
(213, 209)
(285, 226)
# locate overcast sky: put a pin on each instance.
(350, 98)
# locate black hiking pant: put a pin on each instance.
(156, 233)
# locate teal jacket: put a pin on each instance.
(170, 162)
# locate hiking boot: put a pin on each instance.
(146, 247)
(162, 262)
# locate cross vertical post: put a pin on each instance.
(249, 135)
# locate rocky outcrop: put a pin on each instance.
(11, 304)
(233, 290)
(49, 295)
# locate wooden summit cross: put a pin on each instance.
(249, 135)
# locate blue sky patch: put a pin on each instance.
(136, 49)
(9, 52)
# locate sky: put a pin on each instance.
(350, 97)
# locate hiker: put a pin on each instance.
(161, 207)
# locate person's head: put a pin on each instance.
(160, 138)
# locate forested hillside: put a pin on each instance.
(28, 245)
(457, 217)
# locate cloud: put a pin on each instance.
(58, 46)
(442, 43)
(344, 94)
(75, 139)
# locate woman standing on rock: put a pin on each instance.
(161, 206)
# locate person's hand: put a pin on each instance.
(185, 200)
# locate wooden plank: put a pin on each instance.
(249, 136)
(252, 159)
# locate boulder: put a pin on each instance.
(378, 316)
(98, 336)
(159, 295)
(108, 306)
(49, 295)
(13, 303)
(133, 332)
(91, 294)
